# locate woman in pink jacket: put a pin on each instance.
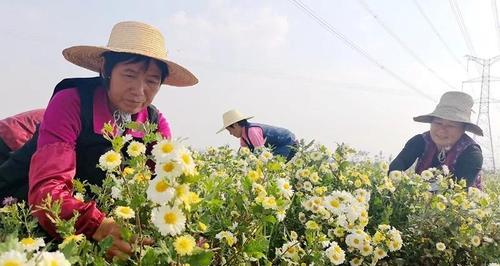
(131, 68)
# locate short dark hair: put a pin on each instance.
(242, 123)
(113, 58)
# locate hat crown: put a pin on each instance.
(139, 37)
(232, 116)
(456, 99)
(455, 106)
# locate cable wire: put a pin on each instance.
(402, 44)
(357, 48)
(436, 32)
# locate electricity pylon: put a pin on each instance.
(483, 116)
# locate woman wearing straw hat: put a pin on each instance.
(131, 68)
(446, 143)
(252, 135)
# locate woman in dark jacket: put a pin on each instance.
(446, 143)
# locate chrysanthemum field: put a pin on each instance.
(327, 206)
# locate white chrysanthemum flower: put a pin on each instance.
(169, 221)
(124, 212)
(165, 150)
(335, 254)
(384, 166)
(314, 177)
(308, 186)
(395, 175)
(379, 253)
(32, 244)
(355, 240)
(265, 156)
(136, 148)
(356, 262)
(110, 160)
(52, 259)
(187, 161)
(169, 169)
(476, 241)
(281, 214)
(366, 250)
(13, 257)
(116, 192)
(316, 155)
(290, 250)
(440, 246)
(302, 217)
(427, 174)
(160, 191)
(228, 237)
(269, 202)
(285, 187)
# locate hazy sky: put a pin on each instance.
(269, 59)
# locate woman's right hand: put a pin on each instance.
(120, 247)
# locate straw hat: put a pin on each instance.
(135, 38)
(454, 106)
(232, 116)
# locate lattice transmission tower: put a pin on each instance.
(483, 115)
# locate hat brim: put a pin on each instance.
(232, 122)
(90, 57)
(473, 128)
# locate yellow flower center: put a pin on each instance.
(126, 211)
(28, 241)
(170, 218)
(168, 167)
(335, 203)
(186, 158)
(12, 263)
(167, 148)
(161, 186)
(286, 186)
(112, 157)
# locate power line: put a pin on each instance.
(357, 48)
(402, 44)
(463, 29)
(436, 32)
(495, 18)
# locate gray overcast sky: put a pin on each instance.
(268, 59)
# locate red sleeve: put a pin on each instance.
(51, 173)
(53, 166)
(18, 129)
(61, 122)
(164, 126)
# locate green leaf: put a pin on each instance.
(200, 259)
(256, 248)
(270, 219)
(105, 244)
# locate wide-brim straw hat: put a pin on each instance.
(232, 116)
(134, 38)
(454, 106)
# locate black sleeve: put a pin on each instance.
(469, 164)
(413, 148)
